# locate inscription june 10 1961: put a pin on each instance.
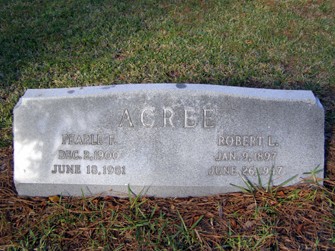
(169, 140)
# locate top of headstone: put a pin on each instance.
(252, 93)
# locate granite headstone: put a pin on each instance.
(162, 139)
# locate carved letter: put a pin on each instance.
(245, 141)
(166, 118)
(79, 140)
(87, 139)
(270, 142)
(208, 118)
(61, 154)
(189, 119)
(252, 140)
(77, 169)
(67, 138)
(150, 111)
(126, 116)
(61, 168)
(112, 140)
(69, 169)
(55, 169)
(221, 141)
(238, 140)
(260, 141)
(229, 140)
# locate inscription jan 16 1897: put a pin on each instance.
(170, 141)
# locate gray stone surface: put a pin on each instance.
(162, 139)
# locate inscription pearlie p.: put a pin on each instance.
(162, 139)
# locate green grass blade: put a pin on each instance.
(249, 183)
(259, 178)
(182, 221)
(243, 189)
(197, 222)
(270, 180)
(286, 181)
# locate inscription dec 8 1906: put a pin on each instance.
(168, 140)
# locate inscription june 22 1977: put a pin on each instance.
(166, 139)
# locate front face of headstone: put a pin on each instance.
(162, 139)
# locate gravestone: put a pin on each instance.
(163, 139)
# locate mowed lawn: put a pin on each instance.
(260, 43)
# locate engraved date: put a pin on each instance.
(265, 170)
(87, 155)
(245, 156)
(106, 170)
(100, 155)
(245, 170)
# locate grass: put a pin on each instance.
(251, 187)
(260, 43)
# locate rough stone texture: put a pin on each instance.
(162, 139)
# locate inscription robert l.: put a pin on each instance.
(246, 141)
